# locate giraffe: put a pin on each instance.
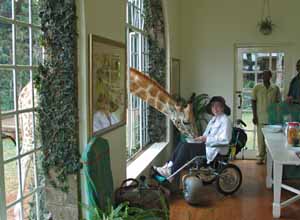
(156, 96)
(26, 127)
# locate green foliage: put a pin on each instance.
(154, 25)
(125, 212)
(199, 109)
(56, 85)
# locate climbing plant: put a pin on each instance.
(56, 84)
(154, 25)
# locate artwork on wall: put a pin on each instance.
(175, 77)
(107, 84)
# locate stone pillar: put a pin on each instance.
(62, 205)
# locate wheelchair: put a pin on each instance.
(228, 176)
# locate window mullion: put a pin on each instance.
(140, 101)
(130, 117)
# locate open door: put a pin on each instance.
(250, 63)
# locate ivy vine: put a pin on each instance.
(56, 84)
(154, 25)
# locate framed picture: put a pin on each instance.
(107, 84)
(175, 77)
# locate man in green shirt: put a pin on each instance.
(262, 96)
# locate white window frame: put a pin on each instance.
(137, 42)
(16, 113)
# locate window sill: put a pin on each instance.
(136, 167)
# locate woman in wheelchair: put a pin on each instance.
(214, 141)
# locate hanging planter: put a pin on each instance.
(266, 25)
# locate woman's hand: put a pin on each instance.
(201, 138)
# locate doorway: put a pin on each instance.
(250, 64)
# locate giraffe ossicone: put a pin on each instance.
(155, 95)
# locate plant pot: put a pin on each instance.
(266, 31)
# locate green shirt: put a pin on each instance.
(264, 97)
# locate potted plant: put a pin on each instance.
(125, 212)
(266, 26)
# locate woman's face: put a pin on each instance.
(217, 108)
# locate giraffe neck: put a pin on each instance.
(156, 96)
(150, 91)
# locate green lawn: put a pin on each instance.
(10, 171)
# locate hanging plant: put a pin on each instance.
(266, 25)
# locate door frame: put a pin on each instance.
(289, 70)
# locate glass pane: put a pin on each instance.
(250, 140)
(134, 15)
(263, 61)
(248, 61)
(248, 80)
(247, 118)
(26, 132)
(129, 15)
(277, 61)
(36, 48)
(5, 8)
(260, 77)
(279, 79)
(9, 137)
(11, 181)
(6, 90)
(22, 45)
(35, 12)
(27, 170)
(12, 212)
(34, 74)
(246, 105)
(137, 22)
(22, 10)
(29, 208)
(5, 43)
(24, 89)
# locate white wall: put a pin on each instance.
(172, 11)
(211, 28)
(105, 18)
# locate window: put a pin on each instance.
(138, 57)
(20, 54)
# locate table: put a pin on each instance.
(279, 153)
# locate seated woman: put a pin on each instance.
(214, 140)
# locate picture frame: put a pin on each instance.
(107, 85)
(175, 77)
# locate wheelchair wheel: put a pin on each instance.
(229, 179)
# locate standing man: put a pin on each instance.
(294, 90)
(263, 95)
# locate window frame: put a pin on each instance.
(16, 112)
(136, 41)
